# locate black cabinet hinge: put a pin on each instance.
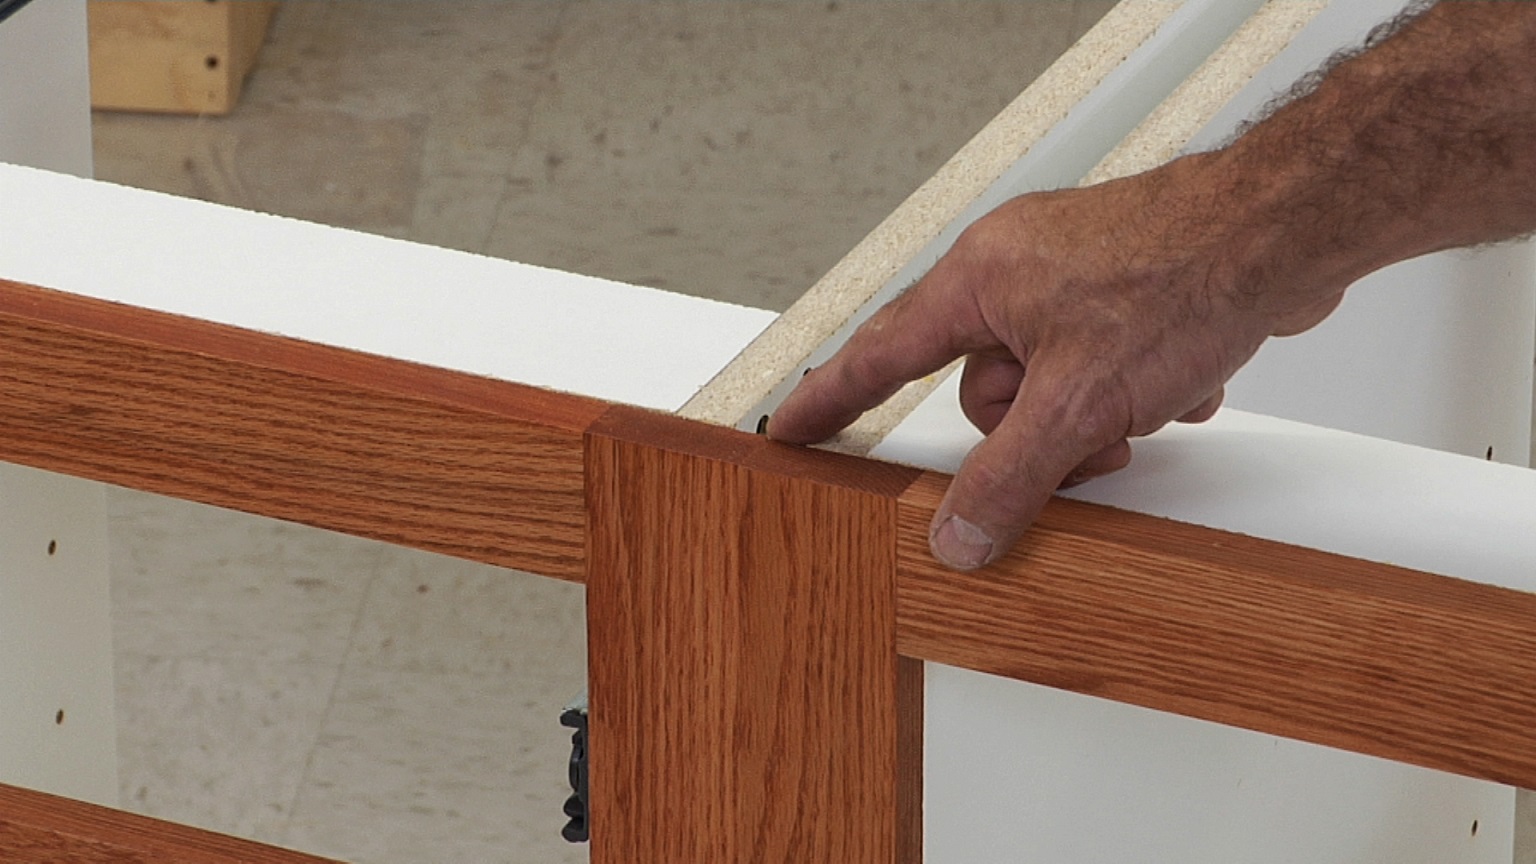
(577, 829)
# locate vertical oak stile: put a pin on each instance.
(747, 700)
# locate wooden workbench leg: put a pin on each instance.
(747, 702)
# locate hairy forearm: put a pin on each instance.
(1426, 141)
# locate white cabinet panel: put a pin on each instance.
(56, 714)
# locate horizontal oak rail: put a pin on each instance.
(365, 445)
(1409, 666)
(46, 829)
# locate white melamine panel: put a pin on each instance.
(56, 702)
(1121, 784)
(1306, 485)
(451, 309)
(1436, 351)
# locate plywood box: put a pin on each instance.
(177, 56)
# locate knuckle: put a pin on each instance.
(996, 485)
(1092, 411)
(989, 241)
(1102, 414)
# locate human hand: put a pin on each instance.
(1086, 317)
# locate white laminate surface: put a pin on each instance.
(456, 310)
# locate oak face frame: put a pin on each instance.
(757, 612)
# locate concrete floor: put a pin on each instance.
(380, 705)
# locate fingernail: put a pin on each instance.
(961, 545)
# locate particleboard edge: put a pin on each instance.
(1169, 128)
(829, 303)
(1159, 139)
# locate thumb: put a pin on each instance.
(1006, 480)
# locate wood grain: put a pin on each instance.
(366, 445)
(1405, 665)
(748, 600)
(747, 700)
(44, 829)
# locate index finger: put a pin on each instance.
(914, 335)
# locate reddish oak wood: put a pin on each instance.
(1381, 660)
(747, 700)
(338, 439)
(748, 599)
(45, 829)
